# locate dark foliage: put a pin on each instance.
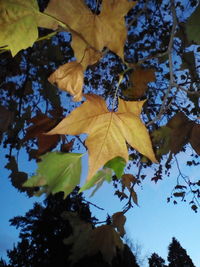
(156, 261)
(177, 256)
(43, 229)
(152, 43)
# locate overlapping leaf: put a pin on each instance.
(69, 77)
(117, 165)
(18, 26)
(108, 131)
(19, 20)
(90, 31)
(139, 79)
(57, 172)
(42, 123)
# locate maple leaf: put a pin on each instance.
(18, 26)
(69, 77)
(113, 24)
(139, 79)
(57, 172)
(108, 131)
(92, 31)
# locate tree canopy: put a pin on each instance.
(126, 73)
(177, 256)
(62, 232)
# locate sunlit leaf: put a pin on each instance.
(108, 131)
(90, 31)
(57, 171)
(18, 25)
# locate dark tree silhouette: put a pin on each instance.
(42, 233)
(177, 256)
(156, 261)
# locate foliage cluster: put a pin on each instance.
(131, 60)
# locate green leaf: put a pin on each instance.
(103, 175)
(193, 25)
(19, 21)
(117, 165)
(18, 27)
(58, 172)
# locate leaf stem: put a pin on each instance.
(121, 76)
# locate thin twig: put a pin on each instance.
(187, 182)
(93, 205)
(185, 90)
(169, 52)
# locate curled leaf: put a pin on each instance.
(69, 77)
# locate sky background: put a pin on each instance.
(151, 225)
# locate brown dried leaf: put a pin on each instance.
(118, 221)
(177, 121)
(46, 143)
(42, 123)
(84, 54)
(127, 180)
(134, 197)
(69, 77)
(139, 79)
(181, 129)
(107, 29)
(195, 138)
(67, 147)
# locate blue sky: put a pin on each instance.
(151, 225)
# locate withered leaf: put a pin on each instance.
(41, 124)
(69, 77)
(108, 131)
(181, 129)
(139, 79)
(128, 180)
(107, 29)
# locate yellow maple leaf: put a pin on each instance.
(69, 77)
(108, 131)
(92, 31)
